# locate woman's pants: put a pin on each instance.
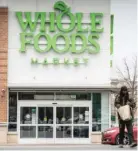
(129, 127)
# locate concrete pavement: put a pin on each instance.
(63, 147)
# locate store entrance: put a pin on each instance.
(54, 122)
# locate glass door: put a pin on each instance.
(47, 122)
(45, 126)
(36, 124)
(81, 123)
(27, 123)
(73, 123)
(63, 124)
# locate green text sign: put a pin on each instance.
(61, 24)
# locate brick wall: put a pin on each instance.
(3, 62)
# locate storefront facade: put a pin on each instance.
(59, 117)
(58, 72)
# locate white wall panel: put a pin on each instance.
(87, 6)
(48, 5)
(22, 5)
(22, 72)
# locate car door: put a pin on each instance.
(135, 133)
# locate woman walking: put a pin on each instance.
(121, 100)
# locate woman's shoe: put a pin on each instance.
(133, 145)
(120, 146)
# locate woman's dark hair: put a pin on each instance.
(124, 88)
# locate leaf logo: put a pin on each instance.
(61, 6)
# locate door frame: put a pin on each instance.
(54, 104)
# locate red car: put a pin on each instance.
(111, 136)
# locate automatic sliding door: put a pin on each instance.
(60, 123)
(28, 122)
(63, 123)
(81, 123)
(46, 124)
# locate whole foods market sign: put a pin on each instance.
(70, 34)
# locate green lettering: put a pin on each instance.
(34, 61)
(43, 20)
(36, 42)
(29, 23)
(73, 40)
(56, 61)
(79, 17)
(85, 60)
(45, 62)
(66, 39)
(24, 41)
(111, 44)
(76, 61)
(52, 21)
(94, 43)
(95, 22)
(66, 61)
(72, 22)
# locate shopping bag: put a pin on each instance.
(124, 112)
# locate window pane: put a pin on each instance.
(12, 107)
(96, 127)
(63, 132)
(81, 115)
(63, 115)
(44, 96)
(26, 96)
(27, 131)
(85, 96)
(12, 127)
(36, 96)
(73, 96)
(81, 132)
(96, 107)
(45, 115)
(45, 132)
(28, 115)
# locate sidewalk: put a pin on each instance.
(63, 147)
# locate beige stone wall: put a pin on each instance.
(12, 138)
(3, 134)
(96, 138)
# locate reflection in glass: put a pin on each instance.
(12, 107)
(45, 132)
(73, 96)
(45, 115)
(81, 132)
(81, 115)
(12, 127)
(27, 131)
(96, 107)
(26, 96)
(28, 115)
(96, 127)
(63, 132)
(12, 112)
(64, 115)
